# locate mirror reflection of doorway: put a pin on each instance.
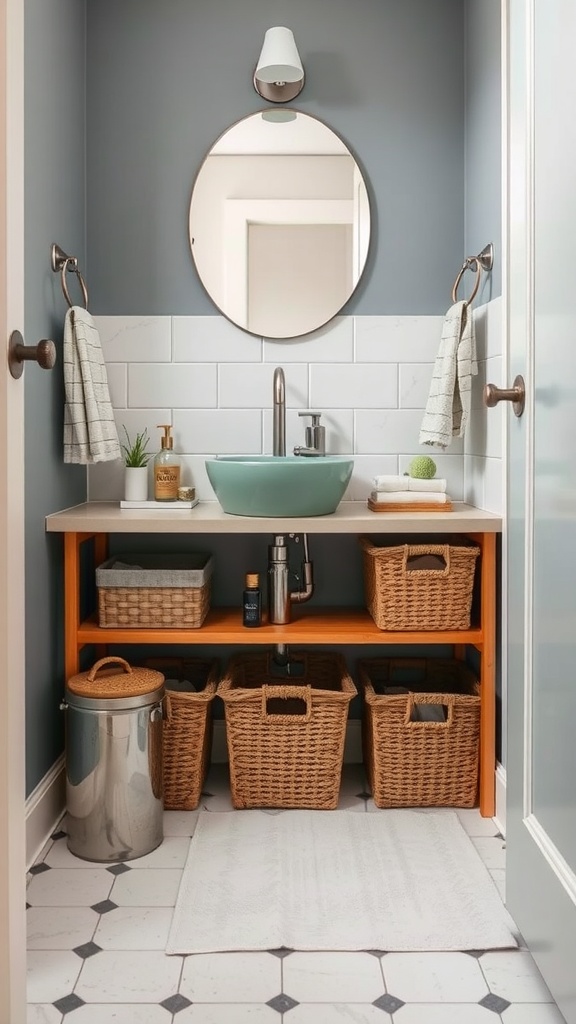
(297, 274)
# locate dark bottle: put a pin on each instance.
(252, 601)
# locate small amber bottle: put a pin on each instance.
(252, 601)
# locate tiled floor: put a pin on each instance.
(97, 936)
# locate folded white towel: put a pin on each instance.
(407, 483)
(90, 433)
(449, 400)
(411, 497)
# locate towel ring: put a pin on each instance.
(471, 263)
(64, 263)
(73, 269)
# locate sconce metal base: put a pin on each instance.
(278, 92)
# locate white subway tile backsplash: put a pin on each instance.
(117, 374)
(333, 343)
(406, 339)
(250, 387)
(219, 431)
(369, 376)
(176, 385)
(354, 386)
(414, 384)
(393, 432)
(198, 338)
(135, 339)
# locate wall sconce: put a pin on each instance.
(279, 74)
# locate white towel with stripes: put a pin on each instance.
(90, 433)
(449, 401)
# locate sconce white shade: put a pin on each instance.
(279, 74)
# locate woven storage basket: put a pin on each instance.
(159, 591)
(285, 733)
(420, 763)
(187, 734)
(399, 597)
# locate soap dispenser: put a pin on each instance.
(166, 468)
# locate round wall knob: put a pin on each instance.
(44, 353)
(516, 394)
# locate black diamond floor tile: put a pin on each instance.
(388, 1003)
(104, 907)
(37, 869)
(281, 953)
(86, 950)
(281, 1003)
(474, 952)
(175, 1003)
(363, 795)
(494, 1002)
(59, 835)
(68, 1003)
(119, 869)
(376, 952)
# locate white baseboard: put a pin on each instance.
(44, 808)
(500, 816)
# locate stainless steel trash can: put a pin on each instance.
(114, 761)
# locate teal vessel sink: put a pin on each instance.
(277, 485)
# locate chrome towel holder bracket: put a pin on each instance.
(484, 261)
(61, 261)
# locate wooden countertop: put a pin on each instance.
(207, 517)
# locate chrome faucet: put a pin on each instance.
(279, 413)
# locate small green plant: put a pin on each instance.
(135, 453)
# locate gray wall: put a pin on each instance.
(483, 144)
(54, 212)
(166, 79)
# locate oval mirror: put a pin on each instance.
(279, 223)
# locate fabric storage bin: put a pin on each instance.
(190, 687)
(419, 586)
(420, 731)
(162, 591)
(286, 732)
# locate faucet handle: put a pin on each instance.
(315, 443)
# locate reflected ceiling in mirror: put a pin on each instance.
(279, 223)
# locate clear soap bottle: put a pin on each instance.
(166, 468)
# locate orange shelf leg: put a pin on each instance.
(488, 678)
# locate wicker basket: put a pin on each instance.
(402, 595)
(420, 763)
(158, 591)
(187, 735)
(286, 733)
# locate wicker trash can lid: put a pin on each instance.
(118, 680)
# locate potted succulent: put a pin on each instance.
(136, 459)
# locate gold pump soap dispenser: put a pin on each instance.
(166, 468)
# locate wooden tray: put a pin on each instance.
(407, 506)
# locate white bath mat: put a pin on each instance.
(397, 880)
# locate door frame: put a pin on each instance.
(12, 609)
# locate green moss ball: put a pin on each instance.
(422, 467)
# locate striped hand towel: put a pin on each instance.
(449, 401)
(90, 433)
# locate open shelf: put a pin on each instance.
(308, 626)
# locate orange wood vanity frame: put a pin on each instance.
(309, 626)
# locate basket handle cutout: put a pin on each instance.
(415, 559)
(107, 661)
(426, 719)
(299, 709)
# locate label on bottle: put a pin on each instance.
(166, 483)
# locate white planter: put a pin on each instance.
(136, 483)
